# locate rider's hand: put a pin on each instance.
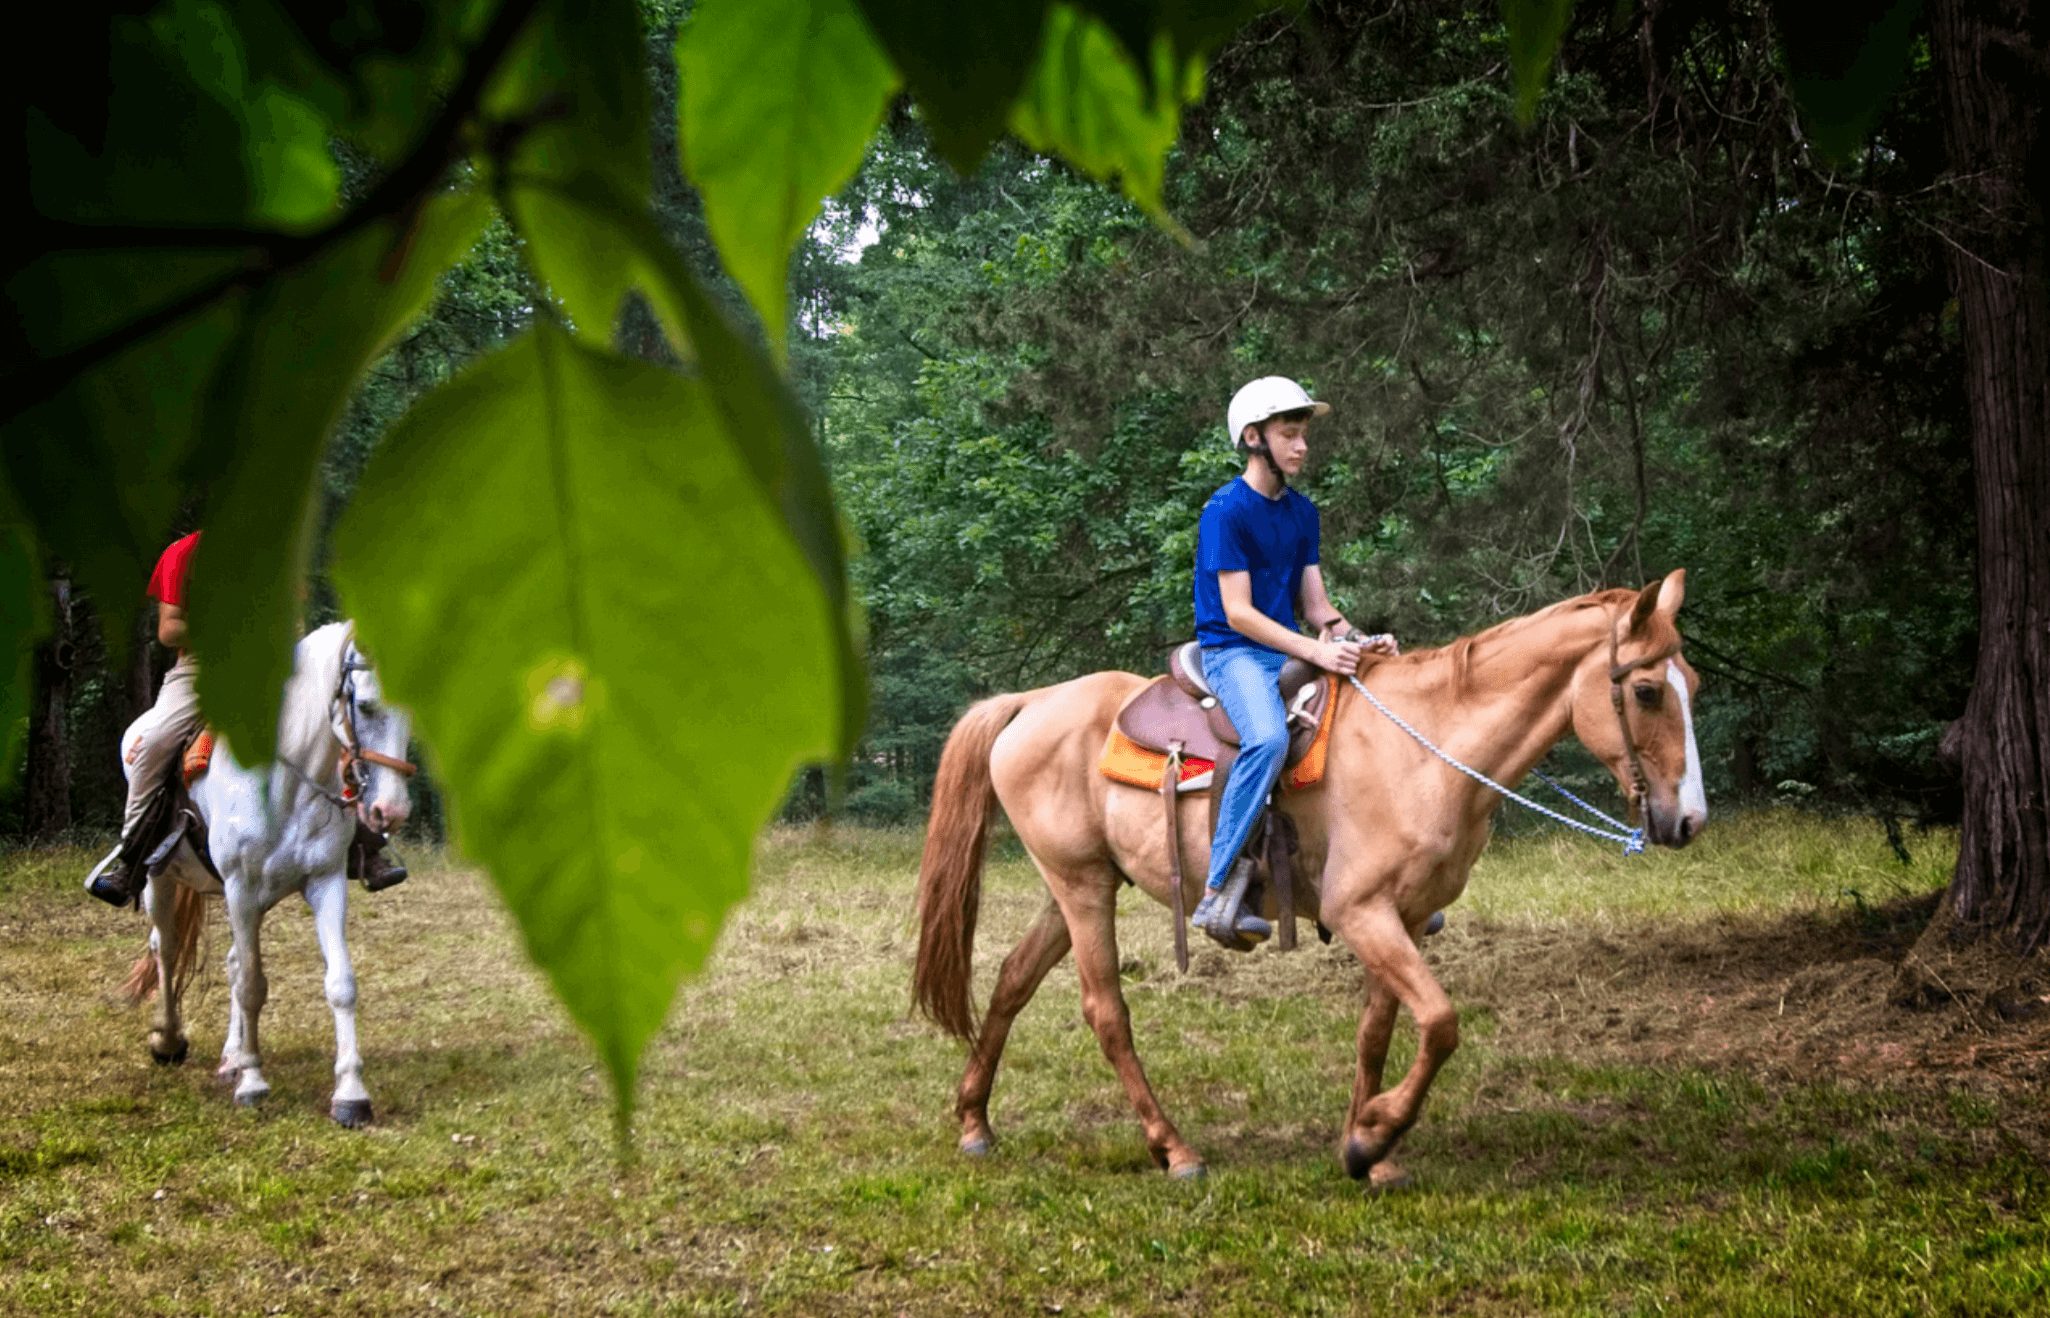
(1382, 643)
(1341, 657)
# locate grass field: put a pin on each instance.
(1680, 1090)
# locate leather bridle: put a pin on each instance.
(1640, 786)
(354, 757)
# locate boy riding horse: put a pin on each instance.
(118, 878)
(1256, 571)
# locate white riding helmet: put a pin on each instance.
(1268, 396)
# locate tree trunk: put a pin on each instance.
(47, 796)
(1993, 62)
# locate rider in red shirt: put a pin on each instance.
(160, 743)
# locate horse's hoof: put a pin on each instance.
(353, 1113)
(976, 1146)
(1358, 1158)
(1386, 1177)
(1188, 1171)
(250, 1098)
(175, 1057)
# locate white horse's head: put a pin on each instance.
(374, 733)
(336, 709)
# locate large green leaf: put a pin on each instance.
(1191, 29)
(1845, 63)
(779, 99)
(611, 642)
(306, 340)
(575, 93)
(1536, 27)
(1087, 103)
(590, 246)
(964, 64)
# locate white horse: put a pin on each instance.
(274, 831)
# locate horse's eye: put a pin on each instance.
(367, 708)
(1648, 695)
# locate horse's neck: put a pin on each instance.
(1510, 706)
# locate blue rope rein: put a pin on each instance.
(1618, 831)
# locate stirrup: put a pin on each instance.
(1223, 916)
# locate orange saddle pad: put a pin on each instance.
(198, 755)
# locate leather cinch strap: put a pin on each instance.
(1170, 785)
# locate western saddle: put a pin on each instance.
(1179, 716)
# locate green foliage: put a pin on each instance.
(779, 102)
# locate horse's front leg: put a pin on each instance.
(247, 983)
(231, 1044)
(1383, 944)
(329, 898)
(167, 1041)
(1377, 1027)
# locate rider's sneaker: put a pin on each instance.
(1434, 924)
(110, 879)
(1240, 935)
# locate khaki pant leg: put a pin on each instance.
(177, 719)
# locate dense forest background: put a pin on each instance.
(1656, 329)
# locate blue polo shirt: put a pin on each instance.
(1242, 530)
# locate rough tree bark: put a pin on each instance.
(1994, 64)
(46, 805)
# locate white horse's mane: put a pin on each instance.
(303, 725)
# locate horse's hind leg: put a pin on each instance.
(167, 1041)
(329, 898)
(1039, 951)
(1091, 909)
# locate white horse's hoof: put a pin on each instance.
(353, 1113)
(251, 1097)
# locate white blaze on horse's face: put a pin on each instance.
(1693, 794)
(382, 728)
(1662, 725)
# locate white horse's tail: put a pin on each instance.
(141, 984)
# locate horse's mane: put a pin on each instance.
(303, 727)
(1458, 654)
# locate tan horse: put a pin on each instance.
(1387, 837)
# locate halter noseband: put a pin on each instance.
(1640, 785)
(353, 754)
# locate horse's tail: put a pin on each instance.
(141, 984)
(950, 871)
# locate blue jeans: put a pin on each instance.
(1247, 680)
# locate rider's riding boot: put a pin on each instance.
(369, 861)
(117, 880)
(1222, 914)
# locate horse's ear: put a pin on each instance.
(1673, 591)
(1647, 604)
